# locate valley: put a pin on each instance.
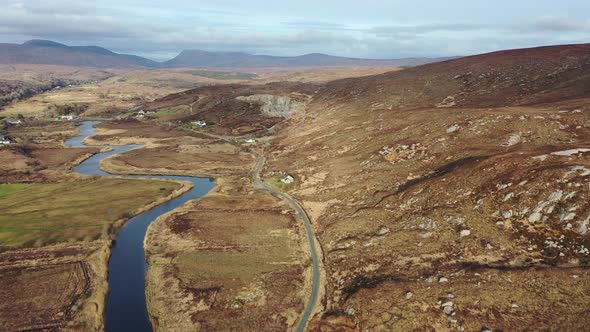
(450, 196)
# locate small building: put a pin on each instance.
(150, 112)
(5, 140)
(250, 140)
(200, 123)
(142, 112)
(287, 179)
(13, 121)
(67, 117)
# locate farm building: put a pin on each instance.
(287, 179)
(200, 123)
(13, 121)
(67, 117)
(5, 140)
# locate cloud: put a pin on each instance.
(161, 29)
(560, 24)
(426, 28)
(64, 19)
(319, 25)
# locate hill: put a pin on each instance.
(52, 53)
(449, 196)
(198, 58)
(444, 184)
(513, 77)
(504, 78)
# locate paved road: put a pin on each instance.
(310, 237)
(258, 183)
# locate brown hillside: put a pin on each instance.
(483, 204)
(514, 77)
(448, 197)
(223, 107)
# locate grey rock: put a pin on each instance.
(271, 105)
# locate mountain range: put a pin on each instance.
(53, 53)
(198, 58)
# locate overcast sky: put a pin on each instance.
(355, 28)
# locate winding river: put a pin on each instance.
(126, 305)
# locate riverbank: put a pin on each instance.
(86, 212)
(231, 225)
(245, 247)
(126, 306)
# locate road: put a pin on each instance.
(315, 265)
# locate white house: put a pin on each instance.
(142, 112)
(200, 123)
(5, 140)
(250, 140)
(67, 117)
(287, 179)
(13, 121)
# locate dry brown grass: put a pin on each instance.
(60, 287)
(316, 74)
(245, 246)
(47, 133)
(393, 217)
(231, 261)
(183, 160)
(507, 300)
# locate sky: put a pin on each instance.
(354, 28)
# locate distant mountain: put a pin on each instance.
(52, 53)
(199, 58)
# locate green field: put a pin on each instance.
(276, 183)
(42, 214)
(171, 113)
(223, 75)
(8, 189)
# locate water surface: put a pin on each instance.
(126, 306)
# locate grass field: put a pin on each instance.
(171, 113)
(8, 189)
(236, 259)
(197, 159)
(223, 75)
(277, 183)
(42, 214)
(256, 243)
(43, 132)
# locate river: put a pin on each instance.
(126, 304)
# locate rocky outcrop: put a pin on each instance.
(272, 105)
